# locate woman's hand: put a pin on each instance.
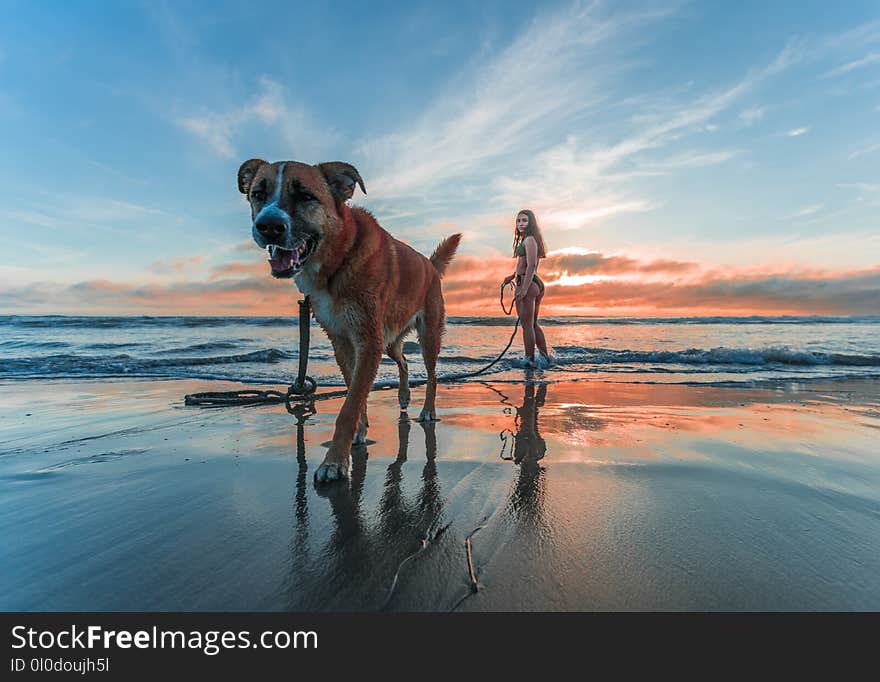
(507, 280)
(520, 294)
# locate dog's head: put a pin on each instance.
(295, 207)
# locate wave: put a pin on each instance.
(200, 347)
(777, 355)
(747, 357)
(577, 359)
(39, 345)
(129, 322)
(756, 319)
(114, 346)
(122, 365)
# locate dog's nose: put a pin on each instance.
(270, 227)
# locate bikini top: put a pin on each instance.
(520, 249)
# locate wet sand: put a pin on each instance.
(587, 496)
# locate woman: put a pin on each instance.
(528, 247)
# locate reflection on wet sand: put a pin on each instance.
(529, 448)
(596, 496)
(388, 545)
(371, 546)
(635, 423)
(363, 543)
(301, 514)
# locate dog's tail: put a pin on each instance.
(444, 253)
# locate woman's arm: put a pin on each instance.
(510, 278)
(531, 266)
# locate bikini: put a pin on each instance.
(521, 251)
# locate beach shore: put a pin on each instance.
(576, 496)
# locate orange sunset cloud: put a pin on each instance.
(578, 283)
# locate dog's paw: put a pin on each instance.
(329, 472)
(403, 399)
(428, 416)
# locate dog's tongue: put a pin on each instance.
(281, 260)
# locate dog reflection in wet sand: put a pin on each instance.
(366, 543)
(364, 546)
(368, 290)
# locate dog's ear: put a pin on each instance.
(342, 178)
(247, 172)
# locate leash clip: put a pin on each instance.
(305, 386)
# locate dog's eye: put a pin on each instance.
(258, 195)
(302, 196)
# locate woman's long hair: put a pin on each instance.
(532, 229)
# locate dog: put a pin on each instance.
(368, 290)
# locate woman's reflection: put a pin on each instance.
(529, 448)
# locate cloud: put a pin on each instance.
(558, 177)
(63, 212)
(751, 115)
(693, 159)
(522, 124)
(596, 263)
(566, 264)
(239, 296)
(270, 108)
(505, 106)
(864, 152)
(217, 130)
(855, 293)
(238, 270)
(807, 210)
(856, 37)
(581, 282)
(177, 265)
(28, 217)
(544, 120)
(872, 58)
(861, 186)
(244, 246)
(578, 282)
(502, 134)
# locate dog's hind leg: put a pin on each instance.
(430, 329)
(360, 436)
(395, 352)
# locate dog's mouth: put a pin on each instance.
(287, 262)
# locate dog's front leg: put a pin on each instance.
(335, 465)
(345, 358)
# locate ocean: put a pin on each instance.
(263, 350)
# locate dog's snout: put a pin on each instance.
(271, 227)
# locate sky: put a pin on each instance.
(702, 158)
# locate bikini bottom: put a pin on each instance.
(536, 280)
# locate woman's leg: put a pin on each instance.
(539, 333)
(526, 309)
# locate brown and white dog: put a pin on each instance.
(367, 289)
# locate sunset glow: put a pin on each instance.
(678, 163)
